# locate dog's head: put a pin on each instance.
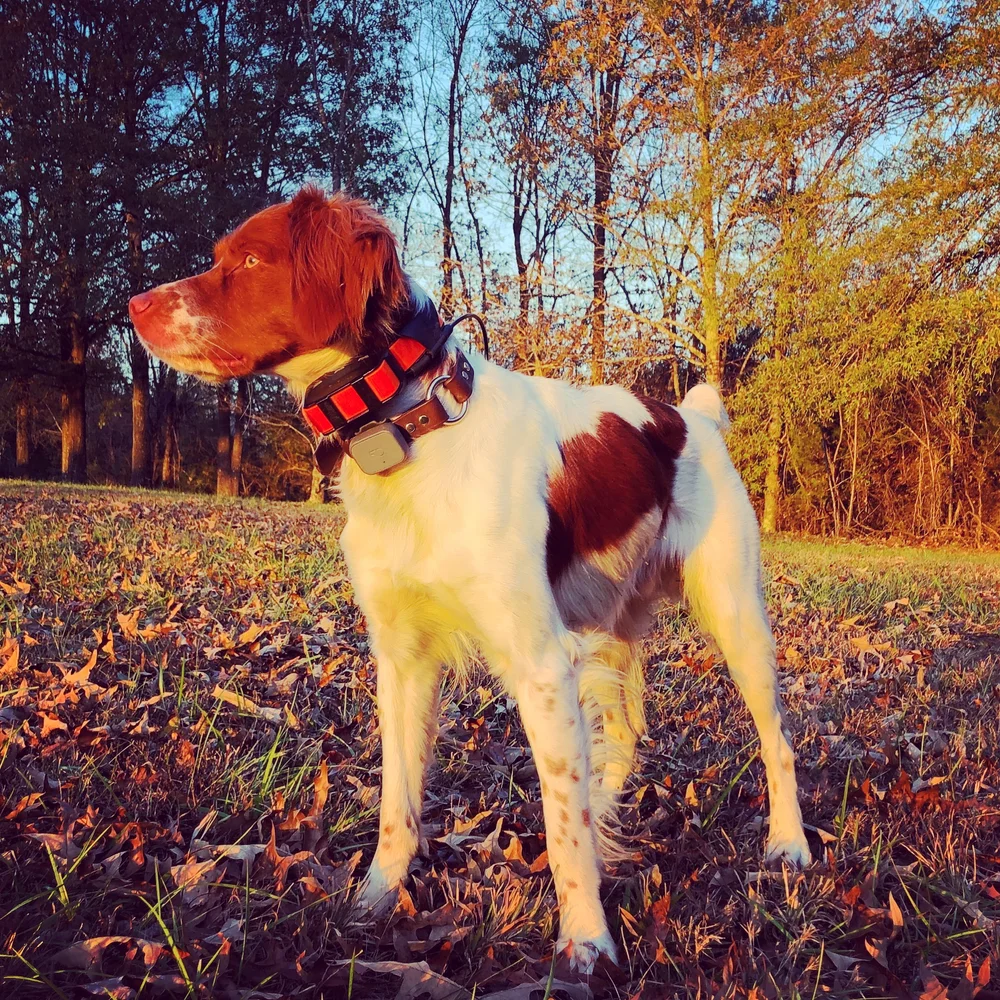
(310, 273)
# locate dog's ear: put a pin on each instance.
(343, 253)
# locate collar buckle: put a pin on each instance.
(441, 380)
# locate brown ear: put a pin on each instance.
(343, 255)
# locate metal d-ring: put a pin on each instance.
(432, 388)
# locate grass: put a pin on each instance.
(189, 771)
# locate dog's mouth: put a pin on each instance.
(171, 332)
(210, 366)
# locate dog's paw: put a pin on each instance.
(583, 953)
(376, 898)
(791, 848)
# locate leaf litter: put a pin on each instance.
(189, 783)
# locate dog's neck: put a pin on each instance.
(301, 371)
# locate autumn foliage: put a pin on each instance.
(796, 202)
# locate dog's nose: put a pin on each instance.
(138, 304)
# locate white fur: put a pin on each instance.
(448, 552)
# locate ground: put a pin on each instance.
(189, 771)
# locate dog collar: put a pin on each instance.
(348, 409)
(343, 401)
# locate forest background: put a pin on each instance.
(799, 202)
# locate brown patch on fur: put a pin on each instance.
(608, 481)
(555, 767)
(586, 817)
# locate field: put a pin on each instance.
(189, 771)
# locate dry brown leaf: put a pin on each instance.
(842, 963)
(114, 988)
(127, 623)
(51, 724)
(417, 979)
(236, 700)
(321, 789)
(29, 801)
(544, 987)
(87, 954)
(194, 879)
(896, 914)
(10, 654)
(933, 989)
(983, 978)
(239, 852)
(251, 633)
(876, 948)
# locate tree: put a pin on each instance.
(600, 55)
(521, 124)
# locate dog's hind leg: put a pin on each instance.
(722, 581)
(612, 694)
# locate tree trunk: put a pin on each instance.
(23, 434)
(239, 433)
(599, 304)
(710, 308)
(447, 306)
(224, 442)
(317, 494)
(73, 425)
(523, 290)
(772, 477)
(598, 307)
(140, 414)
(604, 142)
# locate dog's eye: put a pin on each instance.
(250, 260)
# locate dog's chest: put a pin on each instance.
(402, 526)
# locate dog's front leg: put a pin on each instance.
(407, 689)
(547, 696)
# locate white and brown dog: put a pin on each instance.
(532, 520)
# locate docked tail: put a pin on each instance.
(705, 399)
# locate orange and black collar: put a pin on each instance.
(343, 401)
(355, 408)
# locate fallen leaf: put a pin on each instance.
(417, 979)
(876, 948)
(251, 633)
(87, 954)
(29, 801)
(896, 914)
(127, 623)
(114, 988)
(544, 987)
(51, 724)
(321, 789)
(10, 654)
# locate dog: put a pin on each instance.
(533, 521)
